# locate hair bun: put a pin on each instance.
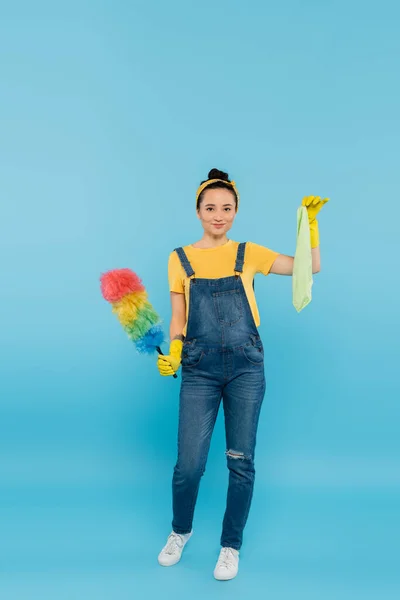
(217, 174)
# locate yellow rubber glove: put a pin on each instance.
(168, 364)
(313, 205)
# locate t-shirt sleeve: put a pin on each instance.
(262, 258)
(175, 274)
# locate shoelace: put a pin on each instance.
(227, 558)
(174, 541)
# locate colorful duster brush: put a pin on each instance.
(128, 298)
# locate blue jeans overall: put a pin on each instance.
(222, 357)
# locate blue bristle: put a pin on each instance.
(152, 338)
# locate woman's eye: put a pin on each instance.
(210, 208)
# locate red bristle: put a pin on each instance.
(117, 283)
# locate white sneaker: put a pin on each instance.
(227, 564)
(172, 551)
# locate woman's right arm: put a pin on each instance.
(178, 319)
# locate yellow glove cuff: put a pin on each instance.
(314, 234)
(175, 348)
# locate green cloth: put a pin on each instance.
(302, 267)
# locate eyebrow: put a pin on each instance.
(209, 204)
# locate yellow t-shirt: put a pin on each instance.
(213, 263)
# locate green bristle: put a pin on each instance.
(146, 318)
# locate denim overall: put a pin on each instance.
(222, 357)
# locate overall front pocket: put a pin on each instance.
(229, 306)
(254, 352)
(191, 355)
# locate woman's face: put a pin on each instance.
(217, 207)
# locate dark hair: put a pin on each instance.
(217, 174)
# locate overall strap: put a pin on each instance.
(240, 258)
(184, 261)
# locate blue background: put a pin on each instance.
(111, 113)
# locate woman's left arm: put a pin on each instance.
(283, 264)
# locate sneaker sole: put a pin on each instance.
(221, 578)
(169, 564)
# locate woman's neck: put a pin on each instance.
(210, 242)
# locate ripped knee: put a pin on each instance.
(237, 455)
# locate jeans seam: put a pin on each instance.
(247, 510)
(204, 459)
(253, 461)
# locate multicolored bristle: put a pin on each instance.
(128, 297)
(118, 283)
(153, 338)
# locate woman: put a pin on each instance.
(214, 336)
